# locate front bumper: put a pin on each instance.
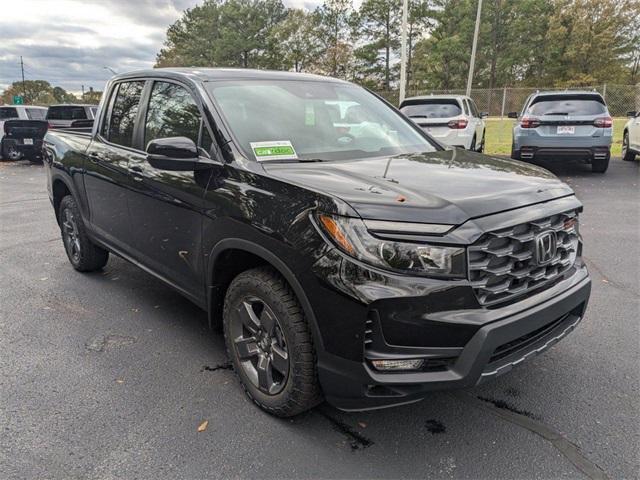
(504, 338)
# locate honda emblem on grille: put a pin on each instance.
(545, 247)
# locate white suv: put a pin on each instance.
(631, 137)
(451, 119)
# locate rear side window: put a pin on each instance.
(7, 113)
(473, 108)
(36, 113)
(66, 113)
(436, 108)
(123, 113)
(567, 105)
(172, 112)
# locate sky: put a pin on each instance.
(70, 42)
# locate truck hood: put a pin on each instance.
(448, 187)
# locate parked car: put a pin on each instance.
(631, 137)
(557, 126)
(22, 144)
(367, 266)
(23, 139)
(64, 115)
(451, 119)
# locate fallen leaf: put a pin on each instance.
(362, 425)
(119, 380)
(203, 426)
(604, 280)
(44, 278)
(136, 310)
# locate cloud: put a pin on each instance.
(70, 42)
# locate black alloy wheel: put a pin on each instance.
(70, 235)
(260, 345)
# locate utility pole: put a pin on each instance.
(403, 50)
(473, 48)
(24, 89)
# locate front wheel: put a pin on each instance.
(627, 154)
(269, 343)
(83, 254)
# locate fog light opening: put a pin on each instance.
(392, 365)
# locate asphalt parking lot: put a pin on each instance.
(109, 375)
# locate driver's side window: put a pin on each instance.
(173, 112)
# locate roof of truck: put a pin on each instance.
(212, 74)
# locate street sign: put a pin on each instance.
(18, 100)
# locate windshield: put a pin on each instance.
(585, 105)
(8, 112)
(313, 121)
(432, 109)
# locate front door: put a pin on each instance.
(107, 176)
(166, 206)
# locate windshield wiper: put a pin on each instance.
(311, 160)
(556, 113)
(418, 116)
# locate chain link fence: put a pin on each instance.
(498, 102)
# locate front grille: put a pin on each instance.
(502, 263)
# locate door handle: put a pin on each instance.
(136, 172)
(95, 157)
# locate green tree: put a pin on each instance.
(297, 41)
(333, 22)
(34, 92)
(379, 23)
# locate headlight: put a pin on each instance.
(352, 237)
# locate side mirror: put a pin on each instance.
(178, 154)
(484, 114)
(512, 115)
(631, 114)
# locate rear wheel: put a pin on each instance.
(83, 254)
(473, 144)
(270, 344)
(10, 151)
(627, 154)
(481, 148)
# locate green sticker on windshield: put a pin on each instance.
(279, 150)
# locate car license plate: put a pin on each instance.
(565, 130)
(28, 141)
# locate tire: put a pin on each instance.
(627, 154)
(600, 166)
(472, 147)
(10, 151)
(83, 254)
(481, 149)
(263, 322)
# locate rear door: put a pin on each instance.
(476, 120)
(166, 206)
(107, 177)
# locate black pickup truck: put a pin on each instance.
(345, 254)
